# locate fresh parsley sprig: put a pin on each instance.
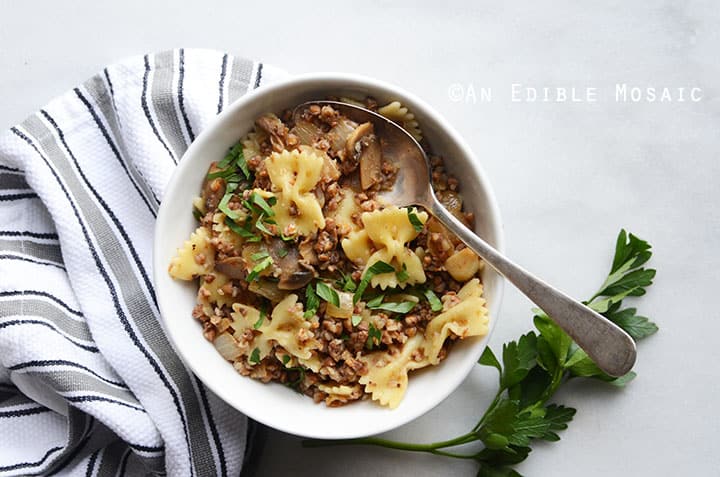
(532, 369)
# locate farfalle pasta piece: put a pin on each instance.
(294, 174)
(196, 257)
(343, 215)
(211, 294)
(399, 114)
(222, 232)
(244, 318)
(469, 317)
(358, 247)
(339, 395)
(288, 327)
(387, 377)
(389, 230)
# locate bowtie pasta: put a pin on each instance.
(306, 278)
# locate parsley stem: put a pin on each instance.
(376, 441)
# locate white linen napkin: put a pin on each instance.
(89, 384)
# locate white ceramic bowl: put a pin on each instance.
(274, 404)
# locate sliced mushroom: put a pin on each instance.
(364, 148)
(371, 163)
(353, 145)
(294, 273)
(268, 289)
(340, 133)
(295, 280)
(307, 252)
(233, 267)
(275, 128)
(213, 190)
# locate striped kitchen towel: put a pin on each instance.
(89, 384)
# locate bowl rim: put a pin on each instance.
(351, 80)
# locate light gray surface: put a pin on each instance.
(567, 176)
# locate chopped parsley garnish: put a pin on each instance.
(312, 302)
(375, 302)
(242, 230)
(261, 226)
(376, 268)
(415, 220)
(355, 320)
(403, 275)
(223, 205)
(282, 253)
(259, 256)
(255, 356)
(327, 293)
(197, 214)
(257, 204)
(435, 303)
(346, 283)
(395, 307)
(373, 335)
(235, 158)
(262, 265)
(285, 359)
(260, 319)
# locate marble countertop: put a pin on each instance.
(588, 156)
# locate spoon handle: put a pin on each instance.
(606, 344)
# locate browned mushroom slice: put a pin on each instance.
(339, 134)
(353, 145)
(294, 273)
(363, 147)
(268, 289)
(371, 163)
(307, 252)
(233, 267)
(275, 128)
(213, 190)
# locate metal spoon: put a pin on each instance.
(608, 345)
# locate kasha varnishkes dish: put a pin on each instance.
(309, 279)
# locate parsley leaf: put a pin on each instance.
(394, 307)
(257, 269)
(312, 302)
(374, 337)
(355, 320)
(242, 230)
(346, 283)
(402, 275)
(435, 303)
(375, 269)
(259, 255)
(415, 220)
(636, 326)
(518, 358)
(255, 356)
(223, 206)
(261, 318)
(327, 293)
(257, 200)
